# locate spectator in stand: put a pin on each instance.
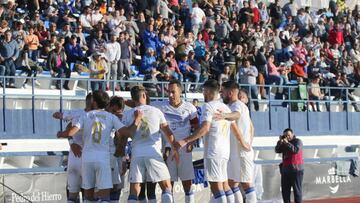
(150, 38)
(195, 65)
(247, 75)
(58, 66)
(336, 35)
(186, 70)
(222, 29)
(125, 58)
(225, 76)
(148, 62)
(32, 41)
(98, 68)
(74, 52)
(316, 94)
(26, 65)
(113, 54)
(98, 42)
(261, 65)
(298, 68)
(9, 52)
(173, 67)
(198, 19)
(200, 47)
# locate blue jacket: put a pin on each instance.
(147, 63)
(150, 39)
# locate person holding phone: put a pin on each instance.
(292, 166)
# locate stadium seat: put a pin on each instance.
(48, 161)
(310, 153)
(19, 81)
(18, 162)
(45, 80)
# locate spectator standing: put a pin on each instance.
(98, 68)
(9, 52)
(125, 58)
(247, 75)
(260, 63)
(98, 43)
(198, 18)
(292, 166)
(113, 54)
(150, 38)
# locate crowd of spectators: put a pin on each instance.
(253, 42)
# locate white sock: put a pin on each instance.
(219, 197)
(230, 196)
(132, 199)
(70, 201)
(189, 197)
(237, 195)
(250, 195)
(166, 197)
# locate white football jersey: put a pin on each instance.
(73, 116)
(97, 126)
(244, 125)
(178, 118)
(217, 140)
(146, 142)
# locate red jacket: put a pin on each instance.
(298, 69)
(292, 154)
(336, 37)
(256, 17)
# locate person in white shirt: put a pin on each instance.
(198, 18)
(181, 117)
(85, 19)
(217, 142)
(147, 163)
(76, 145)
(113, 53)
(97, 126)
(96, 17)
(241, 154)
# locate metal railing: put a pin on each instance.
(82, 85)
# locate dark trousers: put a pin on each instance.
(60, 73)
(292, 179)
(10, 70)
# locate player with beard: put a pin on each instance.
(217, 142)
(241, 154)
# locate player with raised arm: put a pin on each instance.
(97, 126)
(181, 117)
(217, 141)
(74, 178)
(146, 159)
(241, 155)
